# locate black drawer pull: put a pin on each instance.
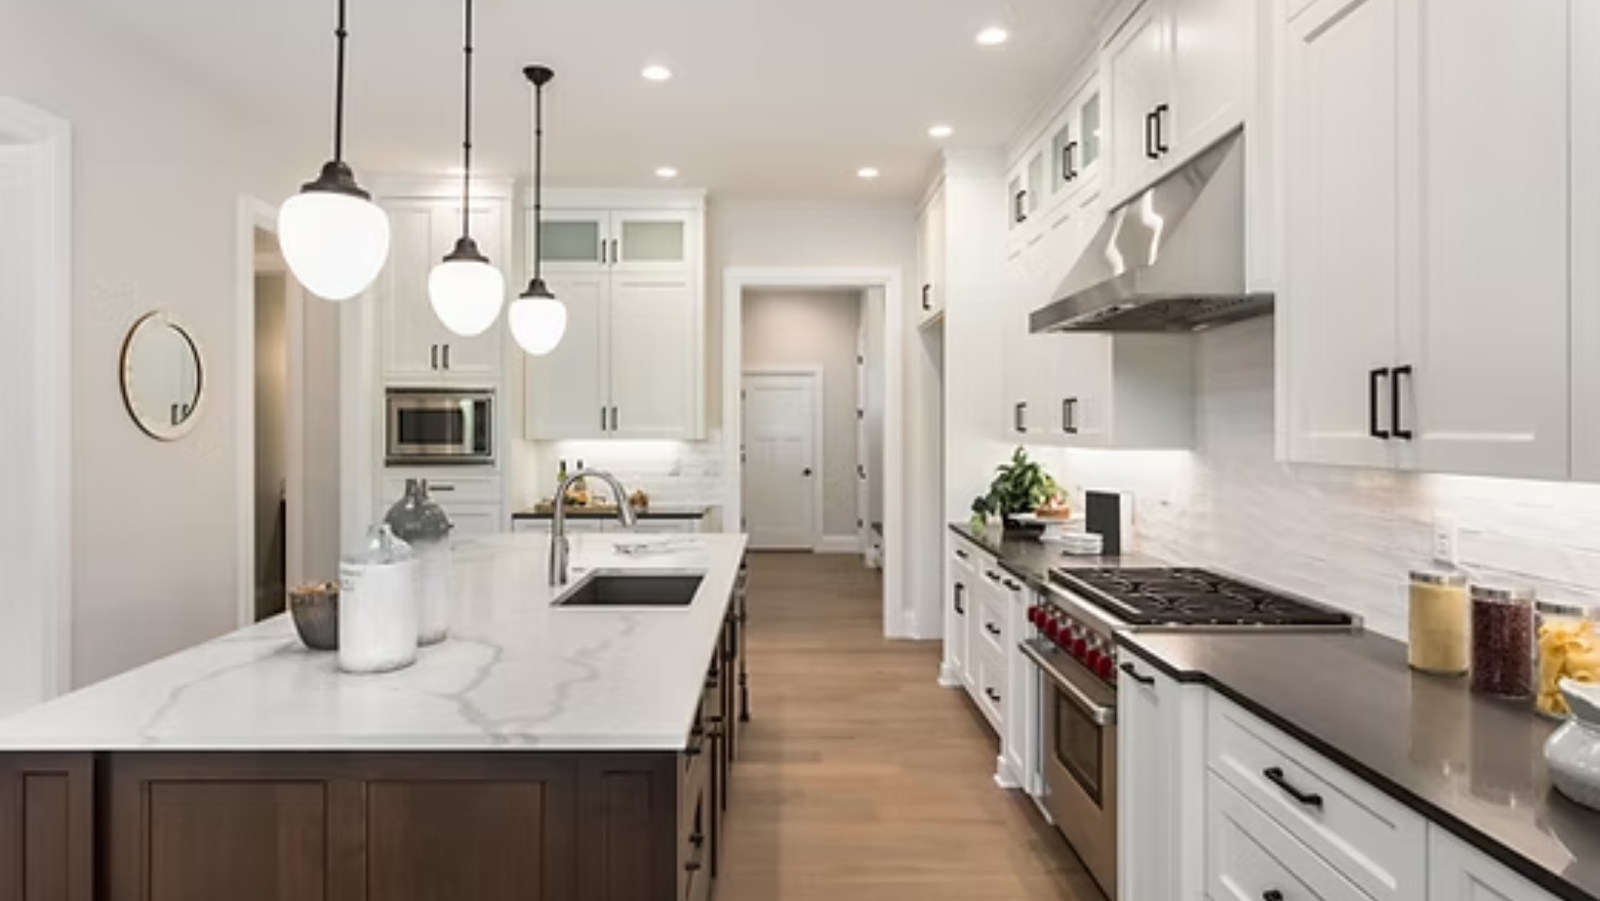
(1374, 428)
(1013, 585)
(961, 553)
(1400, 372)
(692, 866)
(993, 695)
(993, 576)
(1272, 894)
(1135, 675)
(697, 839)
(992, 629)
(1276, 777)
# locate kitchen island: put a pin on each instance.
(542, 752)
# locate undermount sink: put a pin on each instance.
(632, 589)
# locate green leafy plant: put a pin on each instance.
(1020, 486)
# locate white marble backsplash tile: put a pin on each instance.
(1345, 536)
(671, 472)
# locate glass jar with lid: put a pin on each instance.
(1502, 640)
(1567, 648)
(1439, 618)
(378, 605)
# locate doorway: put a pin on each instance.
(35, 379)
(271, 484)
(783, 460)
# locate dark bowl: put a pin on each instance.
(315, 611)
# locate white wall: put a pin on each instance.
(816, 329)
(159, 165)
(874, 324)
(1346, 536)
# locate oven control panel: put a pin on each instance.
(1097, 653)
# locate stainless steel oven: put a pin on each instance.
(1079, 759)
(427, 426)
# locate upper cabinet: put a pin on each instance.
(1426, 313)
(1586, 233)
(1177, 80)
(632, 364)
(930, 259)
(416, 348)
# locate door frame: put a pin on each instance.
(50, 504)
(819, 442)
(900, 613)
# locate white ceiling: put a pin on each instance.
(771, 98)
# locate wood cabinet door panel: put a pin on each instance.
(46, 827)
(236, 840)
(479, 840)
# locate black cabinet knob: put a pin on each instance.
(1272, 894)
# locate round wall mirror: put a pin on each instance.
(162, 377)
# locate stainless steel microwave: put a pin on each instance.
(428, 426)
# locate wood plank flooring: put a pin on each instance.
(860, 779)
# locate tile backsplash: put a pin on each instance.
(1345, 536)
(671, 472)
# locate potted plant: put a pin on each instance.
(1020, 486)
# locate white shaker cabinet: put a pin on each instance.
(1585, 50)
(416, 347)
(1160, 784)
(930, 259)
(1136, 63)
(1459, 872)
(632, 364)
(1426, 308)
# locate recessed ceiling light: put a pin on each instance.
(656, 73)
(867, 172)
(666, 172)
(993, 37)
(941, 131)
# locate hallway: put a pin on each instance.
(860, 778)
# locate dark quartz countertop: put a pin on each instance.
(651, 512)
(1471, 764)
(1031, 560)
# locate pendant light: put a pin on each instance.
(465, 289)
(538, 320)
(334, 238)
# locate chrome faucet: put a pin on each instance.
(559, 548)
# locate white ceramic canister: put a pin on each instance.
(378, 605)
(424, 525)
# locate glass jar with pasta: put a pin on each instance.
(1568, 647)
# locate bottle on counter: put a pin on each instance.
(419, 522)
(561, 477)
(1568, 647)
(378, 605)
(1439, 618)
(1502, 640)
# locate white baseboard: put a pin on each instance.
(948, 677)
(1003, 776)
(839, 544)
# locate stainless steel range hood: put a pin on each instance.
(1169, 260)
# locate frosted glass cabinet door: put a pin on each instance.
(651, 241)
(572, 239)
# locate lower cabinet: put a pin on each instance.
(1160, 785)
(1460, 872)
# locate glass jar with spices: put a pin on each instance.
(1439, 620)
(1568, 648)
(1502, 640)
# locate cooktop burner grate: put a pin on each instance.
(1197, 597)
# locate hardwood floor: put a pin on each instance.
(860, 778)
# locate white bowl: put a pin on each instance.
(1573, 752)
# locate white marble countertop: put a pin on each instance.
(515, 674)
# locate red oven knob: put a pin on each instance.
(1107, 669)
(1051, 628)
(1080, 648)
(1036, 615)
(1093, 659)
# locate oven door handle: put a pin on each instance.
(1100, 714)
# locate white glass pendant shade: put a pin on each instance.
(538, 323)
(467, 295)
(335, 243)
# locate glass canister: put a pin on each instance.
(423, 524)
(378, 605)
(1502, 640)
(1439, 617)
(1567, 648)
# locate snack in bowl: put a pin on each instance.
(1567, 650)
(1055, 507)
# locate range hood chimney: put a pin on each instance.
(1169, 260)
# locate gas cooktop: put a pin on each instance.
(1191, 597)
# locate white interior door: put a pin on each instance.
(782, 471)
(863, 441)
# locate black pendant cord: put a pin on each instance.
(538, 180)
(340, 33)
(466, 135)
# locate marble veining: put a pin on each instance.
(515, 673)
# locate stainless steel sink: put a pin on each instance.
(623, 588)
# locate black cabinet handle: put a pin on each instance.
(993, 576)
(1272, 894)
(603, 419)
(433, 356)
(616, 251)
(1149, 136)
(992, 629)
(1136, 676)
(1014, 586)
(1069, 415)
(993, 695)
(927, 303)
(961, 553)
(1374, 428)
(1276, 777)
(446, 356)
(692, 866)
(1021, 206)
(1161, 138)
(1019, 417)
(806, 472)
(1395, 395)
(613, 419)
(961, 591)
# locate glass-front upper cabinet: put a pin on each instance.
(650, 239)
(1075, 144)
(572, 239)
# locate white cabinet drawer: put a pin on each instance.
(531, 525)
(1249, 857)
(992, 619)
(1373, 840)
(664, 526)
(446, 489)
(1458, 872)
(989, 687)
